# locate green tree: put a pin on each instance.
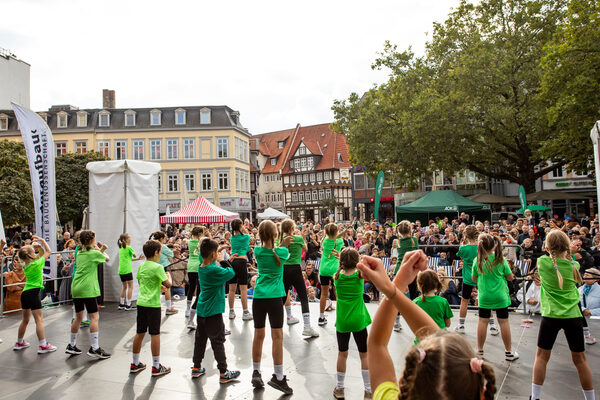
(72, 184)
(471, 102)
(16, 199)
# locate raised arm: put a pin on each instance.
(47, 251)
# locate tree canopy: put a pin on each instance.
(475, 100)
(16, 199)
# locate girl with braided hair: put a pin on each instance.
(426, 368)
(559, 298)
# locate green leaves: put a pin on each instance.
(16, 199)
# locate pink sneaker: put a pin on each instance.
(589, 340)
(20, 346)
(48, 348)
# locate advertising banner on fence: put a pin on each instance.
(39, 147)
(2, 235)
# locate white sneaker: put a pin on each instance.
(494, 330)
(231, 314)
(292, 320)
(397, 326)
(247, 316)
(511, 355)
(588, 340)
(460, 329)
(310, 332)
(191, 325)
(47, 300)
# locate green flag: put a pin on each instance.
(522, 197)
(378, 188)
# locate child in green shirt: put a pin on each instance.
(210, 309)
(151, 276)
(126, 256)
(240, 247)
(332, 244)
(194, 261)
(435, 306)
(468, 252)
(165, 260)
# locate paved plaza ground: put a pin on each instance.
(309, 364)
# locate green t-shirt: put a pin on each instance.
(165, 253)
(468, 253)
(492, 289)
(295, 249)
(150, 275)
(34, 274)
(85, 281)
(125, 256)
(329, 264)
(194, 259)
(404, 246)
(351, 312)
(75, 260)
(556, 302)
(437, 308)
(212, 280)
(240, 244)
(269, 282)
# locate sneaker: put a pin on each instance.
(257, 381)
(397, 326)
(338, 393)
(198, 372)
(21, 346)
(589, 340)
(85, 323)
(130, 307)
(187, 313)
(310, 332)
(480, 354)
(227, 332)
(134, 369)
(161, 370)
(98, 353)
(368, 395)
(191, 326)
(228, 376)
(511, 355)
(460, 329)
(322, 321)
(247, 316)
(231, 314)
(292, 320)
(280, 384)
(73, 350)
(171, 311)
(121, 306)
(48, 348)
(494, 330)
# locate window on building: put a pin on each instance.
(319, 176)
(81, 147)
(155, 118)
(61, 119)
(206, 181)
(278, 196)
(223, 180)
(138, 149)
(61, 148)
(172, 183)
(190, 182)
(120, 150)
(266, 177)
(292, 164)
(278, 177)
(280, 144)
(302, 150)
(303, 162)
(205, 116)
(321, 194)
(558, 172)
(222, 147)
(273, 161)
(327, 193)
(130, 118)
(305, 178)
(297, 163)
(314, 195)
(301, 196)
(308, 195)
(82, 119)
(340, 160)
(238, 184)
(292, 179)
(359, 181)
(104, 119)
(155, 149)
(172, 149)
(327, 175)
(159, 183)
(310, 162)
(179, 117)
(3, 122)
(312, 178)
(294, 197)
(189, 148)
(104, 147)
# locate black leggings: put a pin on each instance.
(583, 320)
(193, 280)
(292, 276)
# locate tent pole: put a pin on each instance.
(125, 198)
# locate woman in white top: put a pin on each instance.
(532, 296)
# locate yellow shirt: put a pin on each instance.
(387, 391)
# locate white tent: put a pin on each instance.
(271, 213)
(123, 198)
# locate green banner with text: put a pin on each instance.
(378, 189)
(522, 197)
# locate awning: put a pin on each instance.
(200, 211)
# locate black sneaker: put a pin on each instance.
(121, 306)
(257, 381)
(322, 321)
(280, 384)
(134, 369)
(73, 350)
(98, 353)
(228, 376)
(198, 372)
(161, 370)
(129, 307)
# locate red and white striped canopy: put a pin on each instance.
(200, 211)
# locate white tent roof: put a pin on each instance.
(271, 213)
(116, 166)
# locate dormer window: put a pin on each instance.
(205, 116)
(155, 118)
(280, 144)
(179, 117)
(104, 119)
(81, 119)
(340, 160)
(129, 118)
(61, 119)
(302, 150)
(273, 161)
(3, 122)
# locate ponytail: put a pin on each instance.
(277, 259)
(558, 274)
(122, 242)
(337, 274)
(498, 254)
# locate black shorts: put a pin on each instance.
(240, 267)
(326, 280)
(126, 277)
(466, 291)
(89, 303)
(501, 313)
(261, 308)
(573, 328)
(148, 320)
(30, 299)
(343, 339)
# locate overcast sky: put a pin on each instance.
(278, 62)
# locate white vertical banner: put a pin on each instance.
(2, 235)
(39, 147)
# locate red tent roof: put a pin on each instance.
(200, 211)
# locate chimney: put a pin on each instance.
(108, 99)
